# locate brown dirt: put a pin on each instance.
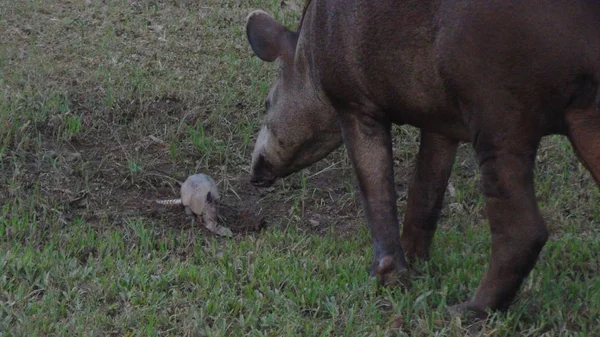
(89, 177)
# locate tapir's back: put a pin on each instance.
(521, 38)
(380, 33)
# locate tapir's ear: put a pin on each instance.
(268, 38)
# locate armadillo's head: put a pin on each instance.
(300, 127)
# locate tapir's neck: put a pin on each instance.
(376, 53)
(369, 47)
(305, 56)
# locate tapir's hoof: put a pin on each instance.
(468, 311)
(390, 272)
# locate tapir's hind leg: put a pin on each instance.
(583, 130)
(506, 154)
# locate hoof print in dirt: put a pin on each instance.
(200, 197)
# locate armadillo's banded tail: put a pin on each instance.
(169, 202)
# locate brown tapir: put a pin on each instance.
(498, 74)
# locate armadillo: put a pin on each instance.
(200, 196)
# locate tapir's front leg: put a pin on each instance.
(426, 193)
(369, 145)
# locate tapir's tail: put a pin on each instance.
(169, 202)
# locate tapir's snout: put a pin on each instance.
(262, 170)
(261, 173)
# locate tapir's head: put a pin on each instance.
(300, 126)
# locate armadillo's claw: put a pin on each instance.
(219, 230)
(223, 231)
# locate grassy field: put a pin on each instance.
(105, 105)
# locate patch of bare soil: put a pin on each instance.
(129, 172)
(116, 169)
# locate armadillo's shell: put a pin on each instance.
(194, 191)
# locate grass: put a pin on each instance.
(104, 105)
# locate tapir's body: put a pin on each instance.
(498, 74)
(442, 65)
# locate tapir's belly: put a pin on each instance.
(436, 118)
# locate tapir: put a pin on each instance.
(496, 74)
